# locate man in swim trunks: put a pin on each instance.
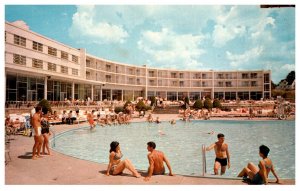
(222, 154)
(156, 162)
(38, 138)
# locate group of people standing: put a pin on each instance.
(40, 133)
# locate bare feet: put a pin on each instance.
(138, 175)
(34, 158)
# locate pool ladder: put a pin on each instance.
(203, 160)
(53, 139)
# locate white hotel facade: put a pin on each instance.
(37, 67)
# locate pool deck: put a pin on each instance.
(59, 169)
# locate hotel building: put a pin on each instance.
(38, 67)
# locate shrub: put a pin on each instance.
(207, 104)
(198, 104)
(45, 106)
(140, 106)
(119, 109)
(126, 104)
(217, 104)
(153, 100)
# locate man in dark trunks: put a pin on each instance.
(222, 154)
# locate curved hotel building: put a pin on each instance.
(37, 67)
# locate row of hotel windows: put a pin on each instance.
(108, 78)
(36, 63)
(39, 47)
(175, 74)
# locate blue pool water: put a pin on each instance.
(182, 144)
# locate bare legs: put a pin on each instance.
(46, 143)
(250, 171)
(36, 149)
(126, 164)
(217, 167)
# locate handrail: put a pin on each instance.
(53, 132)
(203, 160)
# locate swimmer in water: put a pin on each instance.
(161, 132)
(173, 122)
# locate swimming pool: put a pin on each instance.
(182, 144)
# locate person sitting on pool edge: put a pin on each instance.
(156, 162)
(222, 154)
(116, 166)
(260, 175)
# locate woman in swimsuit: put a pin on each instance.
(116, 166)
(260, 175)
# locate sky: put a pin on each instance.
(187, 37)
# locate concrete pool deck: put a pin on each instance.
(59, 169)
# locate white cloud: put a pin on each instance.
(223, 34)
(242, 59)
(168, 48)
(237, 21)
(85, 25)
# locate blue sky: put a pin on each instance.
(198, 37)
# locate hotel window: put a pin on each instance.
(138, 81)
(130, 71)
(244, 76)
(228, 84)
(151, 82)
(108, 78)
(220, 76)
(108, 67)
(204, 76)
(131, 81)
(253, 83)
(64, 69)
(137, 72)
(18, 59)
(228, 76)
(75, 72)
(36, 63)
(51, 66)
(181, 75)
(52, 51)
(245, 84)
(37, 46)
(253, 75)
(220, 84)
(181, 83)
(266, 78)
(64, 55)
(173, 75)
(88, 63)
(151, 73)
(204, 84)
(20, 40)
(75, 58)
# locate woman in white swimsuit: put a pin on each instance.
(116, 166)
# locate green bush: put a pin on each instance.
(208, 104)
(45, 106)
(140, 106)
(119, 109)
(153, 100)
(198, 104)
(217, 104)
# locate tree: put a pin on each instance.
(153, 100)
(45, 106)
(198, 104)
(208, 104)
(290, 77)
(140, 106)
(217, 104)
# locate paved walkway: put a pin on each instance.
(59, 169)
